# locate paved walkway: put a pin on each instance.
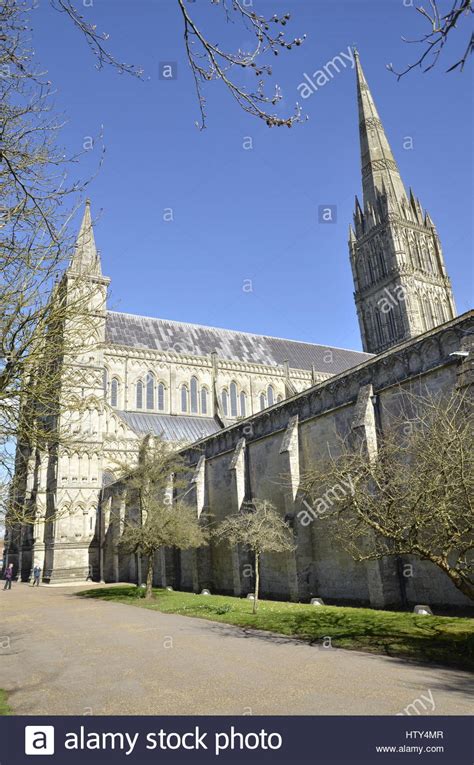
(60, 654)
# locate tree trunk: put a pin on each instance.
(459, 582)
(149, 577)
(257, 582)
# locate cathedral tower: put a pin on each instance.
(401, 285)
(77, 474)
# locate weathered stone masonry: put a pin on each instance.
(264, 456)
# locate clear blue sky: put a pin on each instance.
(253, 214)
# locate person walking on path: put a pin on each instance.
(8, 577)
(36, 575)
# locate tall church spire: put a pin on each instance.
(401, 285)
(86, 258)
(379, 170)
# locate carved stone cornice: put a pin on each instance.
(245, 367)
(379, 165)
(390, 220)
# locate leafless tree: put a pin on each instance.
(160, 520)
(415, 495)
(259, 528)
(441, 25)
(38, 315)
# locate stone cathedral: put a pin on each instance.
(233, 392)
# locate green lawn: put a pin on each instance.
(441, 639)
(4, 708)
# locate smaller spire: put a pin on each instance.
(416, 208)
(86, 257)
(358, 208)
(358, 217)
(428, 221)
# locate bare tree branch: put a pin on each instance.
(97, 41)
(158, 519)
(42, 321)
(210, 61)
(441, 25)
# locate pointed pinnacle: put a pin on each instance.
(85, 255)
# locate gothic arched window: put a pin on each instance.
(150, 390)
(203, 400)
(381, 259)
(279, 398)
(105, 380)
(263, 402)
(428, 313)
(194, 395)
(270, 395)
(392, 325)
(368, 323)
(225, 402)
(378, 326)
(233, 399)
(161, 397)
(243, 404)
(139, 395)
(429, 260)
(421, 311)
(114, 392)
(371, 269)
(365, 273)
(184, 398)
(420, 257)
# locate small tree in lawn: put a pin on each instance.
(260, 528)
(161, 521)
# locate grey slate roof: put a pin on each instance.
(170, 427)
(197, 340)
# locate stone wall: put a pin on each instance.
(265, 455)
